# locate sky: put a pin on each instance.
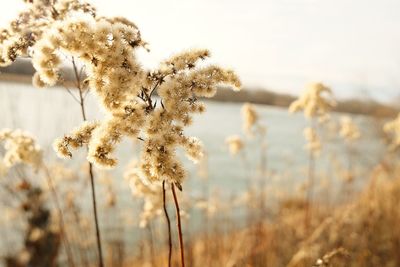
(351, 45)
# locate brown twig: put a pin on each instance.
(169, 226)
(53, 191)
(178, 216)
(82, 104)
(309, 196)
(310, 186)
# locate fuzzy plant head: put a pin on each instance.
(392, 128)
(235, 144)
(316, 101)
(349, 130)
(20, 148)
(32, 24)
(250, 118)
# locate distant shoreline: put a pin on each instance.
(22, 71)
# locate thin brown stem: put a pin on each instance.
(169, 226)
(71, 94)
(178, 216)
(310, 190)
(151, 244)
(310, 186)
(96, 221)
(64, 236)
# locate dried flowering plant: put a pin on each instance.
(250, 118)
(126, 92)
(348, 129)
(252, 126)
(393, 128)
(20, 147)
(350, 133)
(22, 35)
(30, 26)
(235, 144)
(316, 102)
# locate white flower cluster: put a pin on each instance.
(393, 128)
(348, 129)
(21, 34)
(235, 144)
(19, 147)
(316, 101)
(250, 117)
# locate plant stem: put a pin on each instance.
(310, 190)
(96, 221)
(310, 186)
(169, 226)
(67, 245)
(178, 216)
(151, 244)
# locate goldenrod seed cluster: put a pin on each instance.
(348, 129)
(393, 128)
(19, 147)
(250, 117)
(18, 38)
(316, 101)
(235, 144)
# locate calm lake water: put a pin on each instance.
(50, 113)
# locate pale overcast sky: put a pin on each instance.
(352, 45)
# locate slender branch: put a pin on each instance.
(61, 217)
(311, 178)
(73, 96)
(169, 226)
(151, 244)
(77, 75)
(178, 216)
(148, 96)
(101, 264)
(156, 85)
(310, 189)
(96, 221)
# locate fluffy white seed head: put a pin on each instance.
(250, 117)
(235, 144)
(393, 129)
(20, 147)
(348, 129)
(316, 101)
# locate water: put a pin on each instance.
(49, 113)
